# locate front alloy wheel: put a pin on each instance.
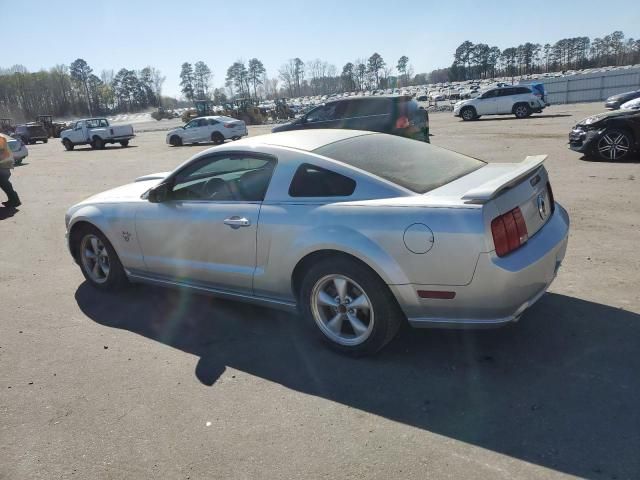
(614, 145)
(342, 310)
(95, 259)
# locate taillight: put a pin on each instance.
(509, 232)
(402, 122)
(229, 125)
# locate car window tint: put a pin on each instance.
(520, 90)
(417, 166)
(312, 181)
(505, 92)
(489, 94)
(228, 178)
(363, 108)
(213, 121)
(322, 114)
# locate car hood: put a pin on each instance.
(175, 130)
(595, 119)
(623, 96)
(125, 193)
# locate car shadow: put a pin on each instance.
(7, 212)
(489, 118)
(201, 144)
(559, 389)
(87, 148)
(592, 159)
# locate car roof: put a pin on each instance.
(306, 140)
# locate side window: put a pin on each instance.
(323, 113)
(365, 108)
(312, 181)
(191, 124)
(234, 177)
(505, 92)
(489, 94)
(521, 90)
(213, 121)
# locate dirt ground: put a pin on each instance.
(152, 383)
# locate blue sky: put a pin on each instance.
(112, 34)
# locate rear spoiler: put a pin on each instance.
(491, 189)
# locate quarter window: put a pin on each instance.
(312, 181)
(234, 177)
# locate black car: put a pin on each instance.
(31, 133)
(615, 101)
(608, 136)
(397, 115)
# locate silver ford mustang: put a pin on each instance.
(356, 230)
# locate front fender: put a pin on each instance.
(117, 223)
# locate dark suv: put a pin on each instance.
(31, 133)
(397, 115)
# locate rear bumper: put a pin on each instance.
(501, 288)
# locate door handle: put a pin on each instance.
(237, 222)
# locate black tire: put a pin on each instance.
(32, 142)
(67, 144)
(522, 110)
(124, 143)
(45, 140)
(117, 278)
(468, 113)
(614, 137)
(387, 316)
(176, 141)
(217, 138)
(97, 143)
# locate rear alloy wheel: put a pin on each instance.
(67, 144)
(176, 141)
(217, 138)
(522, 110)
(468, 113)
(350, 306)
(124, 143)
(614, 145)
(99, 262)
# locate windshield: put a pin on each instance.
(417, 166)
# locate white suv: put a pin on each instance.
(509, 100)
(214, 129)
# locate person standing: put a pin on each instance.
(6, 164)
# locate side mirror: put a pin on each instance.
(158, 194)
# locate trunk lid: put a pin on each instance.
(500, 188)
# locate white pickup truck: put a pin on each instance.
(96, 132)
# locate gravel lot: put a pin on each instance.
(153, 383)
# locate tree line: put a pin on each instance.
(249, 80)
(75, 89)
(474, 61)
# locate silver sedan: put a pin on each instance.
(358, 231)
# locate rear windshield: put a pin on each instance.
(417, 166)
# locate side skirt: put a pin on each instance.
(216, 292)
